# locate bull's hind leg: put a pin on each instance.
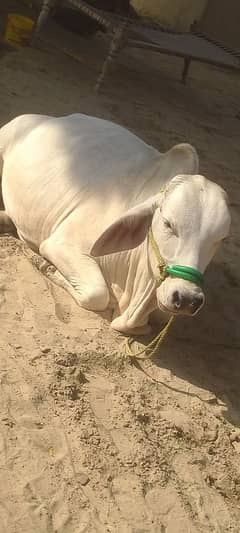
(6, 225)
(77, 273)
(50, 272)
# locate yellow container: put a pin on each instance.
(19, 29)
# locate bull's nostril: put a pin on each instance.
(176, 299)
(197, 302)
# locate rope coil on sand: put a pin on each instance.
(149, 351)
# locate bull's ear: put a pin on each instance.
(181, 159)
(127, 232)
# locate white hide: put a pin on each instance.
(78, 188)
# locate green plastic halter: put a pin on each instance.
(188, 273)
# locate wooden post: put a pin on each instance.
(117, 43)
(47, 5)
(187, 62)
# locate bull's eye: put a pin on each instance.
(167, 224)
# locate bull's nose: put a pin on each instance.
(189, 304)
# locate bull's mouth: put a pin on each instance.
(167, 309)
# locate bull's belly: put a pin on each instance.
(29, 226)
(37, 212)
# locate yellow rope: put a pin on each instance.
(148, 351)
(160, 261)
(152, 347)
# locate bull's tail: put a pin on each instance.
(1, 169)
(6, 135)
(6, 225)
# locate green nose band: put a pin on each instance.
(188, 273)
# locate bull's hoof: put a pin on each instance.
(121, 326)
(42, 265)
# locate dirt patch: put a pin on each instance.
(89, 441)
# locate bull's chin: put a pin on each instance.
(174, 312)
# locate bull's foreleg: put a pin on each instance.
(134, 320)
(125, 325)
(78, 273)
(6, 225)
(49, 271)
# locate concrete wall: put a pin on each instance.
(174, 14)
(221, 21)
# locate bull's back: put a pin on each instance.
(54, 167)
(96, 153)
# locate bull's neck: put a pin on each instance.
(131, 281)
(152, 184)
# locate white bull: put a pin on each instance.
(83, 193)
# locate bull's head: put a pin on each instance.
(188, 222)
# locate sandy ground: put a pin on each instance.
(89, 441)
